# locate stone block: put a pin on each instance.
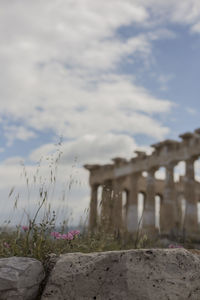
(156, 274)
(20, 278)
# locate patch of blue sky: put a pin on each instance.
(173, 74)
(24, 148)
(180, 58)
(125, 32)
(144, 140)
(141, 139)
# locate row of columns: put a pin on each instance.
(111, 213)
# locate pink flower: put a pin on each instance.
(175, 246)
(75, 232)
(25, 228)
(6, 245)
(70, 236)
(55, 234)
(66, 236)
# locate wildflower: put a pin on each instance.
(74, 232)
(25, 228)
(53, 234)
(66, 236)
(174, 246)
(6, 245)
(70, 236)
(56, 234)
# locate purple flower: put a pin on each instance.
(70, 236)
(66, 236)
(6, 245)
(75, 232)
(53, 234)
(25, 228)
(175, 246)
(56, 235)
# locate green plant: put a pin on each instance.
(40, 233)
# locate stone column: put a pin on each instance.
(149, 208)
(125, 209)
(132, 210)
(168, 205)
(117, 207)
(191, 220)
(106, 205)
(93, 208)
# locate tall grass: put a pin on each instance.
(33, 235)
(38, 217)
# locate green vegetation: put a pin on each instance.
(38, 242)
(40, 235)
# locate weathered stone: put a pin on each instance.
(171, 221)
(20, 278)
(171, 274)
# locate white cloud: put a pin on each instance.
(60, 71)
(196, 27)
(90, 149)
(15, 160)
(71, 181)
(17, 132)
(183, 12)
(67, 60)
(52, 63)
(70, 176)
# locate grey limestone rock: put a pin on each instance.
(20, 278)
(154, 274)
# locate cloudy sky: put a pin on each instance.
(106, 76)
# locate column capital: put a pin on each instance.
(118, 181)
(107, 183)
(151, 171)
(94, 185)
(171, 164)
(135, 175)
(191, 159)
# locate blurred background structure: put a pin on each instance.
(126, 195)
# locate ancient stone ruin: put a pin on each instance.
(127, 177)
(143, 274)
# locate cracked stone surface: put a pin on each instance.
(170, 274)
(20, 278)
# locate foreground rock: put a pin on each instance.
(171, 274)
(20, 278)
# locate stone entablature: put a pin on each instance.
(126, 175)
